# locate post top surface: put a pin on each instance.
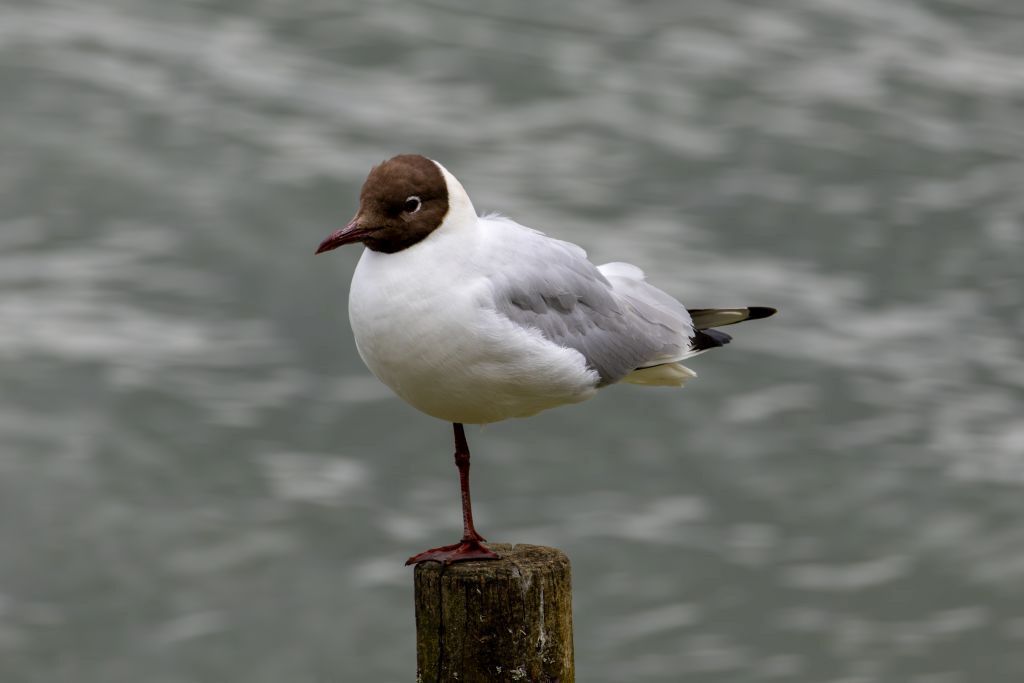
(516, 559)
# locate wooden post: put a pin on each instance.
(498, 620)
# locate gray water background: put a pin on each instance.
(201, 483)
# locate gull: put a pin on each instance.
(474, 319)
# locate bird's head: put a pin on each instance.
(403, 200)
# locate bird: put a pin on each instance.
(473, 319)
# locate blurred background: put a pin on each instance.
(200, 482)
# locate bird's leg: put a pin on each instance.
(471, 546)
(469, 533)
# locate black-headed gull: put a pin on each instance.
(475, 319)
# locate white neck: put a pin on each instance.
(460, 208)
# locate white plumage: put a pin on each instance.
(486, 319)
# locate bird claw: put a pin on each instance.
(463, 551)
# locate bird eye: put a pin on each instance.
(412, 204)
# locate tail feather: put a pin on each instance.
(686, 333)
(664, 375)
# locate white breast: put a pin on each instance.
(425, 325)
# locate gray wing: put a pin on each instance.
(614, 319)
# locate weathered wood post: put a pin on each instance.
(499, 620)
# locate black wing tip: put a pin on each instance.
(758, 312)
(703, 340)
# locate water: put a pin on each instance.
(199, 481)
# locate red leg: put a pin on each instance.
(471, 546)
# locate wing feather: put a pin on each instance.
(610, 315)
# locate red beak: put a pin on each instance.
(353, 232)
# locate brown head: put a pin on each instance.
(403, 200)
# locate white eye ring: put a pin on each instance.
(413, 199)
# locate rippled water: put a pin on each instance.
(199, 481)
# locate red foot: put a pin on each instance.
(462, 551)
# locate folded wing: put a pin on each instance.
(609, 314)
